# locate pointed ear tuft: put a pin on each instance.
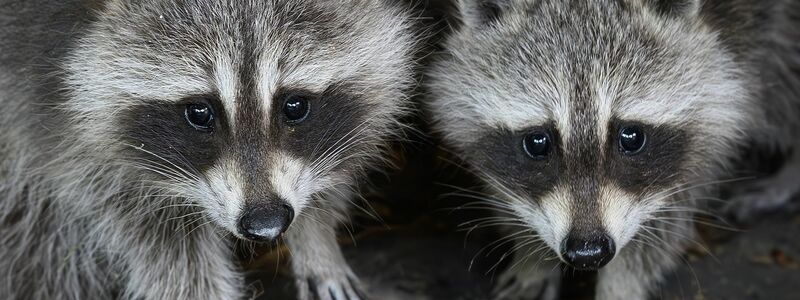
(477, 13)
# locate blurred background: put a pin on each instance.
(412, 238)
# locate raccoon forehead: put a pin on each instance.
(712, 101)
(317, 35)
(317, 32)
(636, 67)
(167, 50)
(485, 97)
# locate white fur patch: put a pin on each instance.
(620, 214)
(551, 219)
(227, 83)
(604, 106)
(100, 89)
(225, 195)
(500, 108)
(292, 180)
(269, 78)
(556, 208)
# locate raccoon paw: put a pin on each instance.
(518, 287)
(341, 288)
(763, 197)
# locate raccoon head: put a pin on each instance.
(588, 118)
(248, 109)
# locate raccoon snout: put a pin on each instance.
(265, 223)
(588, 252)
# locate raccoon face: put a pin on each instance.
(247, 109)
(588, 119)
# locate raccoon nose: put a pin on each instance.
(588, 253)
(265, 224)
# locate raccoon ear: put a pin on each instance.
(677, 8)
(482, 12)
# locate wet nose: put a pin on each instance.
(265, 224)
(588, 253)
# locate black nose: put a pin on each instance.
(264, 223)
(588, 253)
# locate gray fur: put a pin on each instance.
(88, 212)
(707, 75)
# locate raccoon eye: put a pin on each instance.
(200, 116)
(631, 140)
(536, 145)
(296, 109)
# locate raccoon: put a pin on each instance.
(141, 139)
(599, 126)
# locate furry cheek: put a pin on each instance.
(223, 196)
(621, 214)
(551, 219)
(294, 180)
